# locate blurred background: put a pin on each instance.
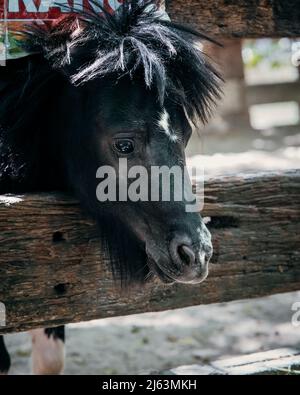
(256, 127)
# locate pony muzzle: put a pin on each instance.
(187, 263)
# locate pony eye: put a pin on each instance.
(124, 146)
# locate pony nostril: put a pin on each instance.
(186, 254)
(181, 253)
(187, 264)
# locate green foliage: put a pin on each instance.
(267, 52)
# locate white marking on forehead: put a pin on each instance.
(164, 121)
(164, 124)
(173, 138)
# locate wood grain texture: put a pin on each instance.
(283, 361)
(52, 271)
(239, 18)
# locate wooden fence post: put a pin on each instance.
(233, 109)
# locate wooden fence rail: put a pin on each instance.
(52, 271)
(239, 18)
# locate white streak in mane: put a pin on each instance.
(96, 68)
(164, 124)
(192, 122)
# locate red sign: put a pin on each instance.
(49, 9)
(14, 14)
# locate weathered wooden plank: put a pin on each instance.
(239, 18)
(280, 361)
(283, 361)
(52, 271)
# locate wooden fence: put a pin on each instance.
(239, 18)
(52, 270)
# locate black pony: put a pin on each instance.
(97, 88)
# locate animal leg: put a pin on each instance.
(4, 358)
(48, 351)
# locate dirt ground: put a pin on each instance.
(246, 150)
(154, 342)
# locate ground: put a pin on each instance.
(249, 150)
(150, 342)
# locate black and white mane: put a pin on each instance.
(133, 40)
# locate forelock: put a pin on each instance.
(135, 40)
